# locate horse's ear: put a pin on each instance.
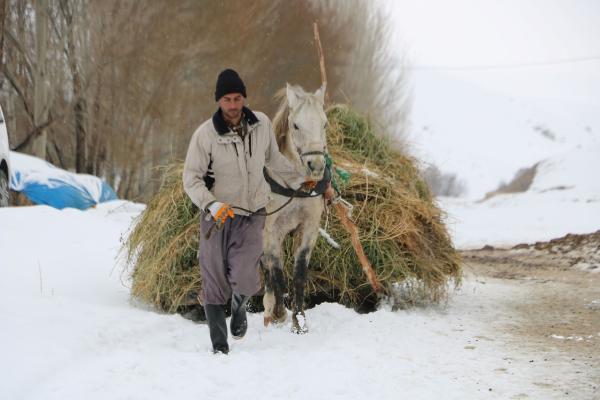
(292, 96)
(320, 93)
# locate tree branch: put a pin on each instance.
(19, 47)
(36, 131)
(9, 76)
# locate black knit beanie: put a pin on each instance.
(229, 82)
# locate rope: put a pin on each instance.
(218, 225)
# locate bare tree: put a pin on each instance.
(126, 83)
(3, 6)
(80, 103)
(40, 110)
(443, 184)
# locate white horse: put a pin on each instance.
(300, 130)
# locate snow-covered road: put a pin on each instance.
(69, 330)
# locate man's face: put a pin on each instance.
(231, 104)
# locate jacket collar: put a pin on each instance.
(221, 126)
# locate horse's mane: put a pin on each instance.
(280, 121)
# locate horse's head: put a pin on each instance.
(306, 122)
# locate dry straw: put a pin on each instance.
(400, 225)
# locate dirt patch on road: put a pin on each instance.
(580, 252)
(558, 315)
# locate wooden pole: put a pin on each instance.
(364, 262)
(321, 61)
(340, 208)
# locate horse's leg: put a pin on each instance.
(274, 281)
(302, 257)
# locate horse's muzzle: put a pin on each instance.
(315, 166)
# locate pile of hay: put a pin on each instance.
(400, 227)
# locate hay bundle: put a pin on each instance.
(401, 231)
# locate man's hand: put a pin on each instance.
(329, 194)
(220, 212)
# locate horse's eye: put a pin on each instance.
(296, 127)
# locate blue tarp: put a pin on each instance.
(43, 183)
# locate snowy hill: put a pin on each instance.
(470, 126)
(484, 135)
(563, 198)
(485, 138)
(489, 79)
(69, 331)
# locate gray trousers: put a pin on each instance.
(229, 259)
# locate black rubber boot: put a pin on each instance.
(239, 322)
(215, 316)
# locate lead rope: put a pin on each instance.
(218, 224)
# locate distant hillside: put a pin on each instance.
(485, 137)
(562, 197)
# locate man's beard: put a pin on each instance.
(233, 114)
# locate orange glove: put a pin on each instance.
(220, 212)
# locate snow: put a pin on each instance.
(564, 197)
(37, 178)
(498, 87)
(30, 165)
(577, 338)
(486, 75)
(484, 135)
(70, 330)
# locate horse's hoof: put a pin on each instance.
(279, 315)
(280, 319)
(275, 318)
(299, 325)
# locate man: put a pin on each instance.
(223, 176)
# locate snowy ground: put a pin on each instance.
(69, 330)
(564, 197)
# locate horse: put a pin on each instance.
(299, 125)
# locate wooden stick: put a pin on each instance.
(364, 262)
(341, 210)
(321, 61)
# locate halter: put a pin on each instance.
(311, 153)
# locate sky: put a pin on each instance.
(484, 32)
(504, 45)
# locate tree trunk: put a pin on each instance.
(2, 19)
(80, 107)
(96, 138)
(39, 114)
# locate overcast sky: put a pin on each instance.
(463, 37)
(484, 32)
